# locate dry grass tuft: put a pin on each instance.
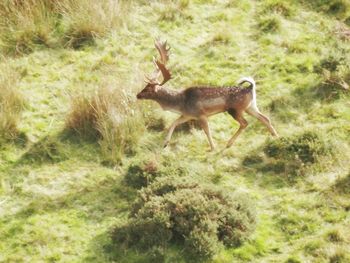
(28, 25)
(109, 116)
(86, 19)
(11, 103)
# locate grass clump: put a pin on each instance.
(110, 117)
(335, 73)
(342, 185)
(175, 210)
(340, 255)
(85, 20)
(173, 10)
(25, 25)
(269, 24)
(335, 235)
(11, 103)
(284, 8)
(292, 155)
(28, 25)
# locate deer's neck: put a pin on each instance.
(169, 99)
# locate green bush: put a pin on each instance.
(142, 172)
(306, 147)
(292, 155)
(179, 210)
(139, 174)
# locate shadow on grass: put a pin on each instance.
(57, 148)
(102, 249)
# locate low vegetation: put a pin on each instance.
(174, 209)
(11, 103)
(108, 116)
(295, 155)
(30, 25)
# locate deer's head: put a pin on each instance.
(152, 83)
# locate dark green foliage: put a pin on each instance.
(347, 21)
(305, 147)
(290, 155)
(330, 62)
(269, 23)
(338, 8)
(139, 174)
(142, 172)
(342, 185)
(182, 211)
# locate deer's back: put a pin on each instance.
(206, 100)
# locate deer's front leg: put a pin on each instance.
(205, 127)
(180, 120)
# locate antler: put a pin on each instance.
(160, 64)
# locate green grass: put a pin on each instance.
(60, 196)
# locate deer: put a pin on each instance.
(200, 102)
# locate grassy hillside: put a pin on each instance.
(71, 128)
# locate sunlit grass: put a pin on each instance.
(60, 194)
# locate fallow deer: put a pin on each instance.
(200, 102)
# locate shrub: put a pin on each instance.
(292, 155)
(306, 147)
(139, 174)
(11, 103)
(108, 116)
(181, 211)
(142, 172)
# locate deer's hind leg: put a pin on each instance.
(254, 111)
(238, 116)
